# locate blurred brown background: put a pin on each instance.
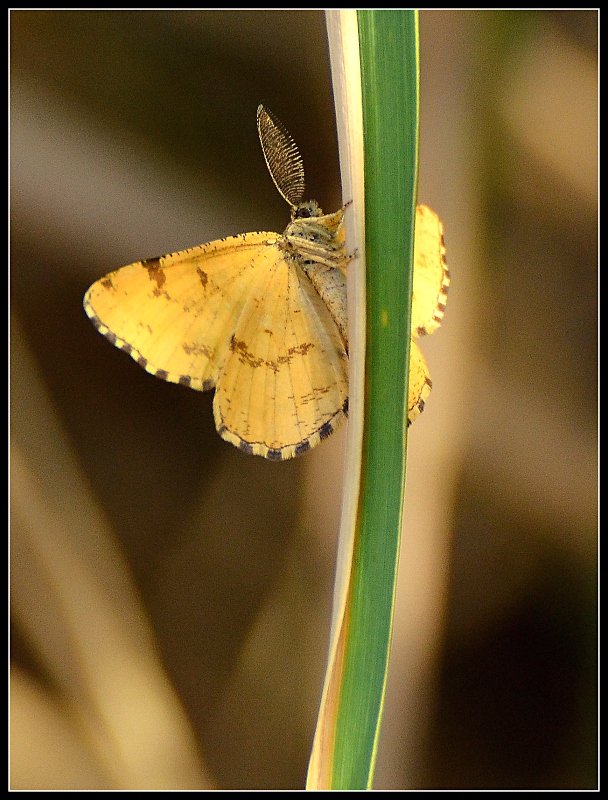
(171, 597)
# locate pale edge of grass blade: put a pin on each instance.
(343, 36)
(344, 46)
(347, 733)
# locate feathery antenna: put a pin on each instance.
(282, 157)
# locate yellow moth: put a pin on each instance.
(262, 316)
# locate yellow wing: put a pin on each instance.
(420, 383)
(175, 315)
(236, 315)
(429, 296)
(431, 275)
(284, 386)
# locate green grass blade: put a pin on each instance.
(389, 65)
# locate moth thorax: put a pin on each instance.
(311, 229)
